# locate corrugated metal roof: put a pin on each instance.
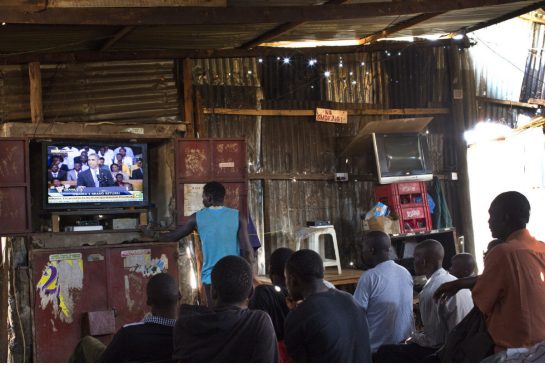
(130, 91)
(191, 37)
(455, 20)
(36, 38)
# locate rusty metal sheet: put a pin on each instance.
(193, 160)
(203, 160)
(12, 166)
(229, 160)
(14, 187)
(73, 281)
(13, 210)
(236, 196)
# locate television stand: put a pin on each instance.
(102, 214)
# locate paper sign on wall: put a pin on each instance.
(331, 116)
(192, 198)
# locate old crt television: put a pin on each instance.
(401, 157)
(94, 174)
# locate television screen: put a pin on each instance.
(402, 153)
(401, 157)
(95, 174)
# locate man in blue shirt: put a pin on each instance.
(385, 292)
(222, 232)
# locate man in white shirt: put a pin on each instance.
(385, 292)
(438, 318)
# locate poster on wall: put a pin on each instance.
(192, 198)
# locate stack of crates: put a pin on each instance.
(409, 201)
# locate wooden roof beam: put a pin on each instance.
(95, 56)
(235, 15)
(398, 27)
(122, 33)
(279, 30)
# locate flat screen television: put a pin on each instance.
(94, 174)
(402, 157)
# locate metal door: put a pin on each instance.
(69, 282)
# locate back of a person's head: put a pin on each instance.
(278, 260)
(307, 265)
(432, 249)
(232, 280)
(463, 265)
(215, 190)
(515, 205)
(162, 291)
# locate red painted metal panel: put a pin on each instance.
(13, 210)
(229, 160)
(224, 161)
(76, 285)
(193, 160)
(69, 282)
(130, 269)
(236, 196)
(13, 164)
(14, 187)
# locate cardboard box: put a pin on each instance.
(384, 224)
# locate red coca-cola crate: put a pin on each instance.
(409, 202)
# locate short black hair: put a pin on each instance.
(516, 205)
(162, 291)
(278, 260)
(307, 265)
(232, 279)
(113, 165)
(216, 190)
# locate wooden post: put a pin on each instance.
(200, 123)
(55, 222)
(187, 78)
(459, 94)
(35, 78)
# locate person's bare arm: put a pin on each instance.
(246, 249)
(449, 289)
(179, 232)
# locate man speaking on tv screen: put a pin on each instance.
(96, 176)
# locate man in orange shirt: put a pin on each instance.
(511, 290)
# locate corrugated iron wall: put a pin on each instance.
(297, 146)
(123, 91)
(533, 85)
(507, 66)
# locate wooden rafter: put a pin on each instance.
(131, 3)
(312, 112)
(95, 56)
(235, 15)
(122, 33)
(279, 30)
(398, 27)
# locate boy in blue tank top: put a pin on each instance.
(222, 232)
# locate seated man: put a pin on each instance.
(146, 341)
(510, 292)
(385, 292)
(463, 265)
(328, 325)
(227, 331)
(272, 298)
(438, 318)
